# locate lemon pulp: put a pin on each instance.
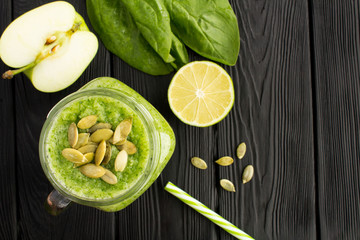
(201, 93)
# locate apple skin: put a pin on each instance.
(51, 66)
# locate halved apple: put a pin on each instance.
(51, 44)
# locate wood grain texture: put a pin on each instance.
(272, 114)
(8, 188)
(184, 222)
(305, 150)
(336, 70)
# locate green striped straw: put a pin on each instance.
(205, 211)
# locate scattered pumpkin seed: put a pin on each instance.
(121, 161)
(109, 177)
(92, 171)
(199, 163)
(73, 134)
(122, 131)
(101, 134)
(227, 185)
(73, 155)
(128, 146)
(107, 156)
(247, 174)
(87, 122)
(100, 126)
(89, 157)
(82, 140)
(225, 161)
(87, 148)
(100, 153)
(241, 150)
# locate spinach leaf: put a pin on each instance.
(178, 50)
(209, 27)
(153, 21)
(120, 35)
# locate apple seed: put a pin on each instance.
(54, 49)
(50, 40)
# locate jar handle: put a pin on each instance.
(56, 203)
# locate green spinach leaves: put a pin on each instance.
(120, 35)
(209, 27)
(149, 34)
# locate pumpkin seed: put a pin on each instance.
(100, 126)
(109, 177)
(247, 174)
(92, 171)
(199, 163)
(101, 134)
(121, 161)
(100, 153)
(225, 161)
(128, 146)
(117, 135)
(107, 156)
(87, 122)
(89, 157)
(227, 185)
(73, 134)
(91, 143)
(73, 155)
(111, 140)
(82, 140)
(241, 150)
(87, 149)
(122, 131)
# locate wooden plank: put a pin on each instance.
(272, 114)
(32, 106)
(336, 32)
(8, 201)
(177, 218)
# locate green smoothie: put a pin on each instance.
(108, 110)
(152, 135)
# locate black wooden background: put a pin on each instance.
(297, 107)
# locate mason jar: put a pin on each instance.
(111, 100)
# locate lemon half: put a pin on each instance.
(201, 93)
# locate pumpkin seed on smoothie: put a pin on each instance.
(87, 181)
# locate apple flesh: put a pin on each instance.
(51, 44)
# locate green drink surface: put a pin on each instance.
(108, 110)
